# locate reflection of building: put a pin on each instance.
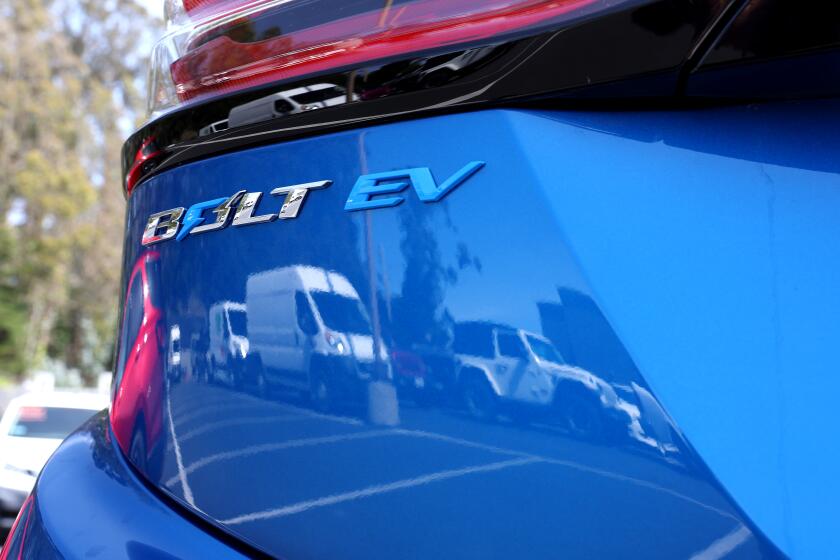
(577, 326)
(579, 330)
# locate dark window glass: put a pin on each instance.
(153, 276)
(342, 314)
(319, 95)
(48, 422)
(282, 106)
(305, 319)
(510, 345)
(132, 321)
(474, 339)
(135, 311)
(544, 350)
(238, 322)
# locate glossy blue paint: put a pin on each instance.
(726, 243)
(615, 340)
(88, 503)
(549, 469)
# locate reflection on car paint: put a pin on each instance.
(393, 371)
(287, 102)
(137, 401)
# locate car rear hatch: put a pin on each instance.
(471, 279)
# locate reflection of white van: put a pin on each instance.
(229, 344)
(289, 102)
(282, 103)
(310, 331)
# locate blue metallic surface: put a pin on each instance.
(89, 504)
(668, 241)
(679, 262)
(726, 243)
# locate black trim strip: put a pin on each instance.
(635, 51)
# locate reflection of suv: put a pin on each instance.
(497, 365)
(495, 362)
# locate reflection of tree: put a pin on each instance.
(419, 310)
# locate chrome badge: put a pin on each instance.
(242, 205)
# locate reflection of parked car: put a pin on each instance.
(410, 374)
(175, 347)
(423, 373)
(174, 357)
(31, 429)
(282, 103)
(287, 102)
(311, 332)
(495, 362)
(137, 410)
(442, 69)
(498, 365)
(228, 342)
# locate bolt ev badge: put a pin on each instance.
(396, 181)
(242, 205)
(164, 225)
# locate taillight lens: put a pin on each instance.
(145, 155)
(216, 46)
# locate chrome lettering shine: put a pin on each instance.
(242, 205)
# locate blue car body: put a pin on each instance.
(613, 336)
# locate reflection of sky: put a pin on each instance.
(504, 233)
(154, 7)
(503, 260)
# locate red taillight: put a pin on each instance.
(234, 44)
(192, 6)
(147, 152)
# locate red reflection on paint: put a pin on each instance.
(137, 408)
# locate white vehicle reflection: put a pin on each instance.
(498, 365)
(311, 333)
(282, 103)
(228, 342)
(32, 427)
(174, 350)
